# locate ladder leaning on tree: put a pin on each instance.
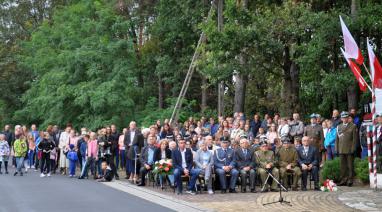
(191, 68)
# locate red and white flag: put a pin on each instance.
(351, 47)
(375, 67)
(356, 71)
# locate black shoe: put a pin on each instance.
(232, 191)
(223, 191)
(6, 172)
(274, 190)
(350, 184)
(303, 189)
(15, 174)
(317, 189)
(80, 177)
(141, 184)
(253, 190)
(1, 172)
(21, 174)
(127, 177)
(117, 178)
(243, 190)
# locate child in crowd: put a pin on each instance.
(53, 159)
(73, 158)
(107, 172)
(4, 153)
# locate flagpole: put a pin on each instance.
(368, 72)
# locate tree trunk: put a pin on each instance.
(291, 86)
(220, 5)
(204, 94)
(240, 87)
(160, 93)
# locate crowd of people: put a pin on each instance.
(233, 150)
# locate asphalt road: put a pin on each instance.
(30, 193)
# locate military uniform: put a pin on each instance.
(317, 134)
(262, 158)
(287, 156)
(346, 141)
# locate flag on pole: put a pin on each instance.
(351, 47)
(356, 71)
(375, 67)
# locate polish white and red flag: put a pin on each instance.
(375, 67)
(351, 47)
(356, 71)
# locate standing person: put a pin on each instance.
(121, 148)
(255, 124)
(115, 146)
(9, 136)
(73, 158)
(182, 161)
(91, 156)
(296, 127)
(20, 148)
(134, 142)
(356, 118)
(316, 134)
(346, 140)
(246, 165)
(330, 140)
(56, 133)
(83, 150)
(31, 151)
(63, 146)
(37, 151)
(79, 143)
(283, 128)
(45, 146)
(336, 120)
(5, 151)
(308, 161)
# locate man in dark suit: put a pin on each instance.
(182, 161)
(245, 164)
(134, 142)
(224, 162)
(147, 159)
(307, 159)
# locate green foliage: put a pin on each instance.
(361, 168)
(331, 170)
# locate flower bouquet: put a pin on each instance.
(163, 167)
(328, 185)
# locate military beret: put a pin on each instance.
(285, 140)
(262, 143)
(313, 116)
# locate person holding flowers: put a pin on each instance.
(147, 158)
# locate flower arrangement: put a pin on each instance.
(163, 167)
(328, 185)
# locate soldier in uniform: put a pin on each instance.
(316, 134)
(265, 161)
(287, 159)
(224, 163)
(345, 146)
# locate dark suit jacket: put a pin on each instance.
(158, 154)
(144, 157)
(243, 160)
(311, 158)
(137, 144)
(176, 157)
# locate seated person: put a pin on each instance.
(246, 165)
(146, 158)
(182, 161)
(203, 166)
(225, 164)
(288, 157)
(307, 159)
(107, 172)
(164, 153)
(265, 162)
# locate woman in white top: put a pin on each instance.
(63, 146)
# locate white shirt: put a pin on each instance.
(306, 150)
(183, 153)
(283, 130)
(132, 135)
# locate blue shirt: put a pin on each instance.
(150, 159)
(330, 138)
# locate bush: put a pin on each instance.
(361, 168)
(331, 170)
